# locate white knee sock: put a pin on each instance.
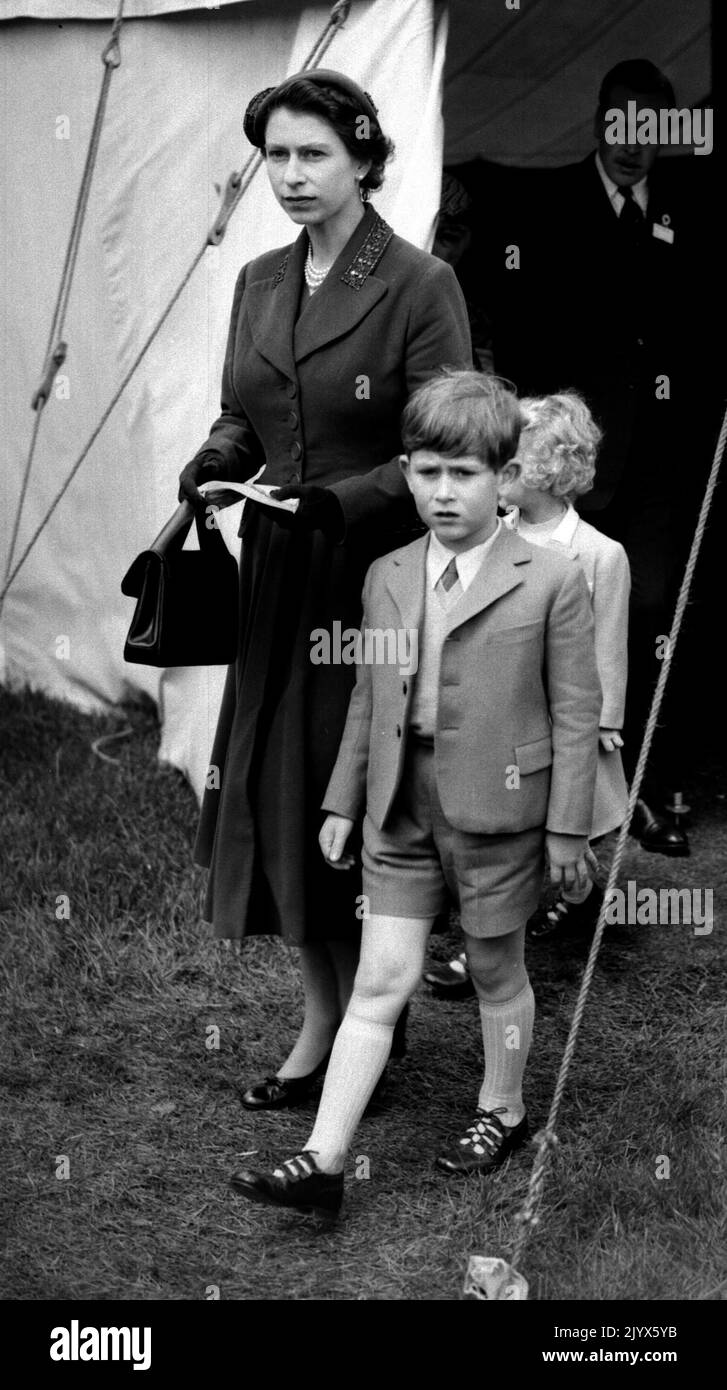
(359, 1055)
(507, 1030)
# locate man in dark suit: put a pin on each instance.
(600, 304)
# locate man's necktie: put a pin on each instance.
(445, 585)
(631, 219)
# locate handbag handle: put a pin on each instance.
(175, 531)
(171, 539)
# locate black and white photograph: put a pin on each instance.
(362, 747)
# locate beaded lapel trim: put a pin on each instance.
(364, 262)
(369, 254)
(280, 272)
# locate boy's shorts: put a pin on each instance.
(411, 867)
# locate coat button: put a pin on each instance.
(398, 731)
(293, 420)
(295, 450)
(291, 389)
(404, 687)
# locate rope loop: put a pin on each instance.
(53, 362)
(111, 55)
(227, 207)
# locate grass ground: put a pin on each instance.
(107, 1063)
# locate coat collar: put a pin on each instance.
(347, 294)
(501, 572)
(564, 538)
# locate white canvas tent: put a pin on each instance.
(171, 137)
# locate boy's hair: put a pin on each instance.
(562, 439)
(457, 413)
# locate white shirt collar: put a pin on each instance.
(468, 562)
(640, 190)
(564, 531)
(566, 528)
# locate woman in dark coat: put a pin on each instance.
(328, 337)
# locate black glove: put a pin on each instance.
(200, 470)
(319, 510)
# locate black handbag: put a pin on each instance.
(187, 600)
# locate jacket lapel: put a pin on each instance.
(342, 311)
(272, 306)
(502, 571)
(349, 291)
(405, 579)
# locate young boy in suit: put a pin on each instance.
(467, 772)
(555, 464)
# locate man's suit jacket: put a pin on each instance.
(519, 697)
(585, 312)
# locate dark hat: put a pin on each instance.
(256, 114)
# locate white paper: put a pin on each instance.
(256, 492)
(227, 518)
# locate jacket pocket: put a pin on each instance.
(526, 632)
(533, 757)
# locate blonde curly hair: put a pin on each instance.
(561, 440)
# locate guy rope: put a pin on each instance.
(56, 350)
(237, 184)
(491, 1277)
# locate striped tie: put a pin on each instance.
(446, 583)
(450, 575)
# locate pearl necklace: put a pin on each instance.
(314, 278)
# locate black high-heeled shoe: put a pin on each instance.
(282, 1092)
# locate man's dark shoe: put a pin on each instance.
(485, 1144)
(565, 919)
(450, 980)
(282, 1092)
(297, 1183)
(657, 834)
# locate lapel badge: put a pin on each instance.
(663, 230)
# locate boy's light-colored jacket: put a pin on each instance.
(516, 742)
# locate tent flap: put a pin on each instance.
(155, 193)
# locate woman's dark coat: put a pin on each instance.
(318, 396)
